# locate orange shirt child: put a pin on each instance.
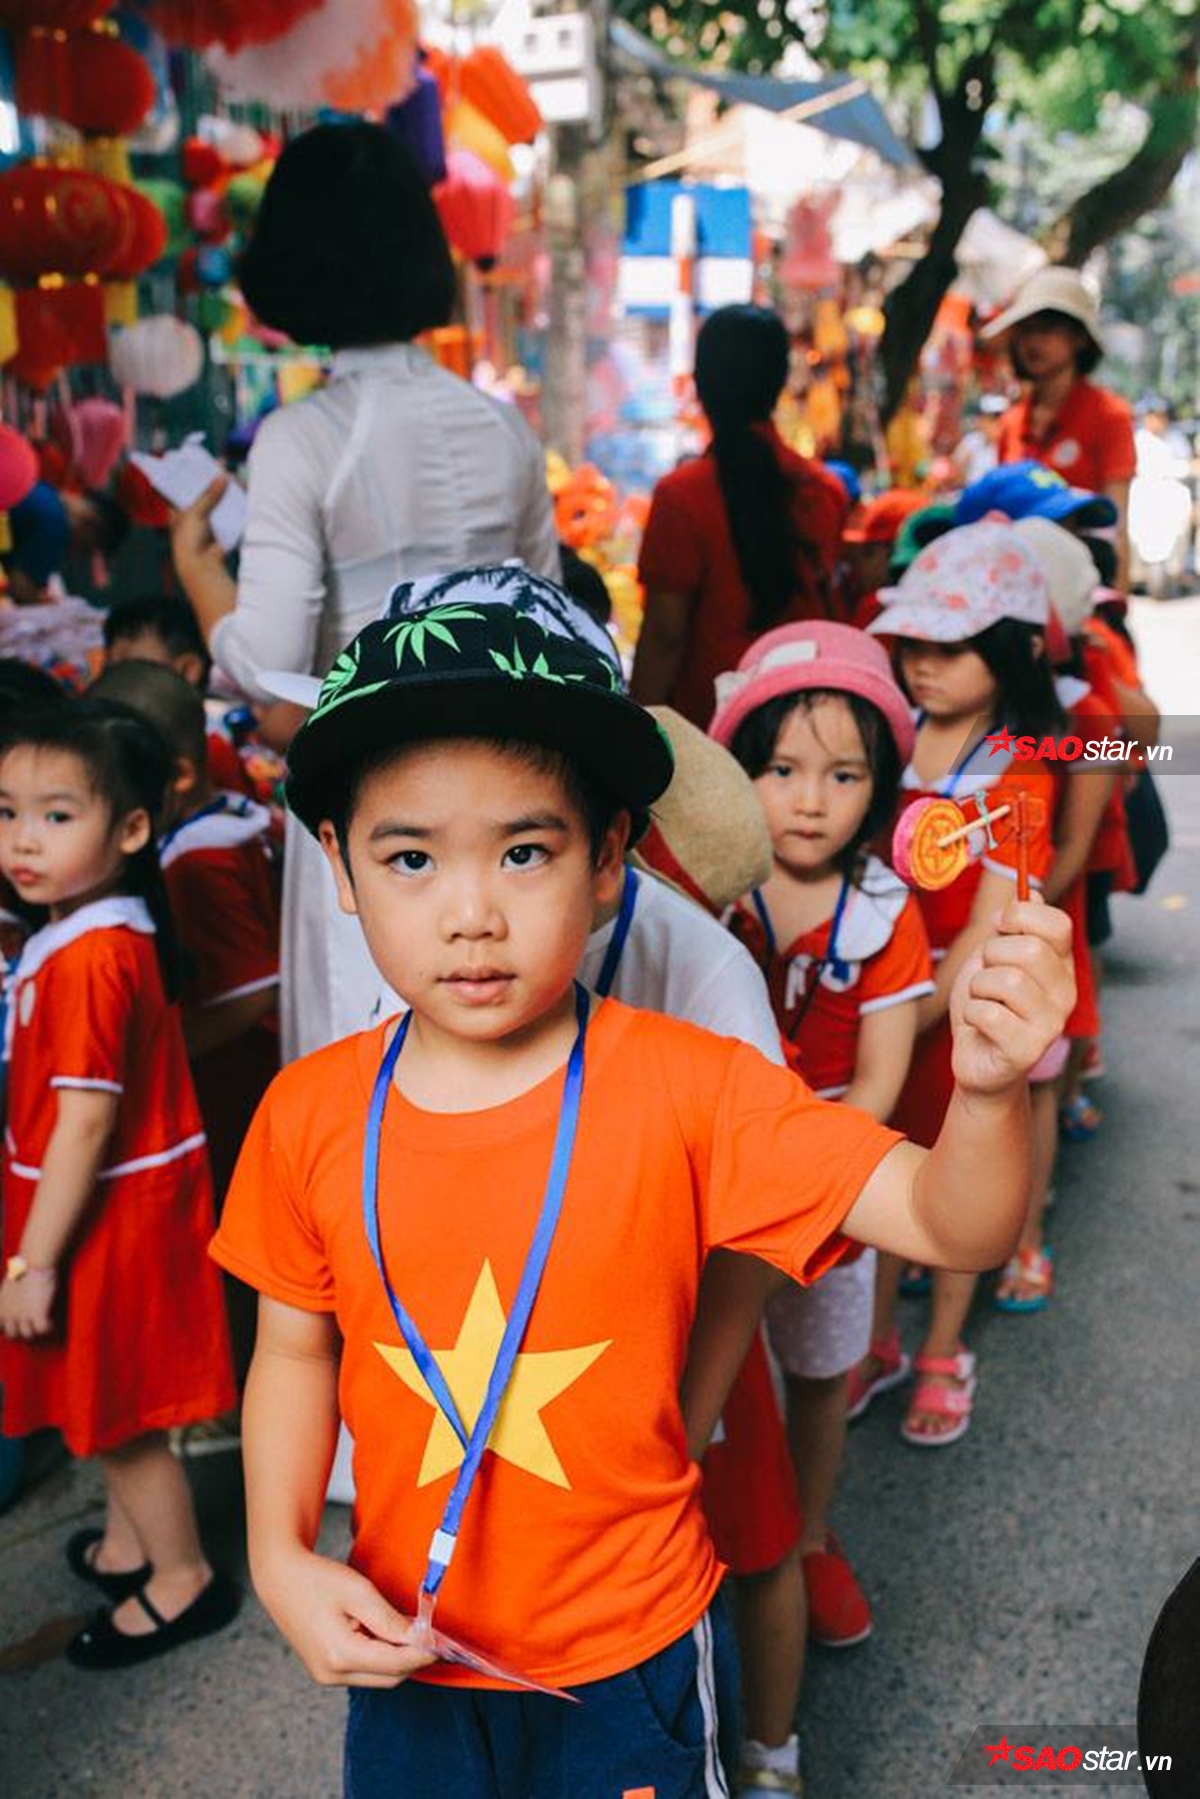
(585, 1548)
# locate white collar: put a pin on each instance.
(873, 906)
(239, 820)
(379, 359)
(117, 911)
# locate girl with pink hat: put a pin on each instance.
(817, 720)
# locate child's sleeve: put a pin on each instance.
(785, 1168)
(268, 1237)
(89, 1001)
(226, 924)
(903, 969)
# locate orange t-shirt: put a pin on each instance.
(584, 1548)
(688, 549)
(1089, 442)
(881, 940)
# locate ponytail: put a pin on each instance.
(741, 365)
(144, 877)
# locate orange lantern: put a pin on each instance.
(488, 81)
(60, 221)
(90, 79)
(475, 208)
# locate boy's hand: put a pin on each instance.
(27, 1305)
(1012, 998)
(341, 1627)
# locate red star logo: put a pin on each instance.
(1002, 740)
(997, 1752)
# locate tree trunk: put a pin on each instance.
(911, 308)
(1145, 180)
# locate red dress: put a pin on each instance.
(140, 1341)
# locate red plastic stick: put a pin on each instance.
(1022, 836)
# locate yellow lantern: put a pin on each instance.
(467, 129)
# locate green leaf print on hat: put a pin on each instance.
(412, 632)
(338, 687)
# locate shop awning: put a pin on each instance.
(860, 119)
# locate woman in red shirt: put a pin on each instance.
(1083, 432)
(742, 538)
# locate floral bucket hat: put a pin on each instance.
(963, 583)
(463, 670)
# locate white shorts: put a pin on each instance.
(821, 1331)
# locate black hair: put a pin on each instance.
(1168, 1718)
(585, 584)
(1014, 653)
(742, 357)
(24, 685)
(129, 766)
(755, 740)
(1103, 554)
(1087, 354)
(164, 699)
(596, 806)
(159, 615)
(347, 248)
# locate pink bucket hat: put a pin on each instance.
(793, 658)
(964, 582)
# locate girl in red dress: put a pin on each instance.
(112, 1316)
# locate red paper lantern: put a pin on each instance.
(58, 326)
(490, 83)
(475, 208)
(90, 79)
(202, 164)
(60, 221)
(19, 468)
(52, 15)
(231, 23)
(146, 240)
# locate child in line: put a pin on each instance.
(113, 1324)
(815, 717)
(473, 781)
(969, 621)
(161, 628)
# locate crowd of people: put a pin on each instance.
(694, 1085)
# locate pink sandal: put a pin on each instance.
(943, 1402)
(892, 1368)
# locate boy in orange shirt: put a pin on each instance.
(494, 1263)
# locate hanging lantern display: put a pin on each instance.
(489, 83)
(160, 357)
(809, 260)
(356, 55)
(475, 207)
(467, 129)
(59, 221)
(19, 468)
(417, 124)
(59, 323)
(89, 79)
(199, 24)
(170, 200)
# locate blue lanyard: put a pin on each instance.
(214, 806)
(474, 1442)
(958, 767)
(831, 959)
(616, 943)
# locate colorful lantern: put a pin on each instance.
(355, 55)
(233, 23)
(417, 123)
(146, 240)
(467, 129)
(489, 83)
(809, 260)
(475, 207)
(19, 469)
(170, 199)
(58, 324)
(60, 221)
(161, 357)
(89, 79)
(91, 434)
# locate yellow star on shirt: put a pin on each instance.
(518, 1435)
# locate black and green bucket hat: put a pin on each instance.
(462, 670)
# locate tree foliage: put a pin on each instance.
(984, 63)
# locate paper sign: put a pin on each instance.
(182, 475)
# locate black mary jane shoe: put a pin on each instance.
(101, 1645)
(117, 1586)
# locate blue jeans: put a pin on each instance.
(668, 1725)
